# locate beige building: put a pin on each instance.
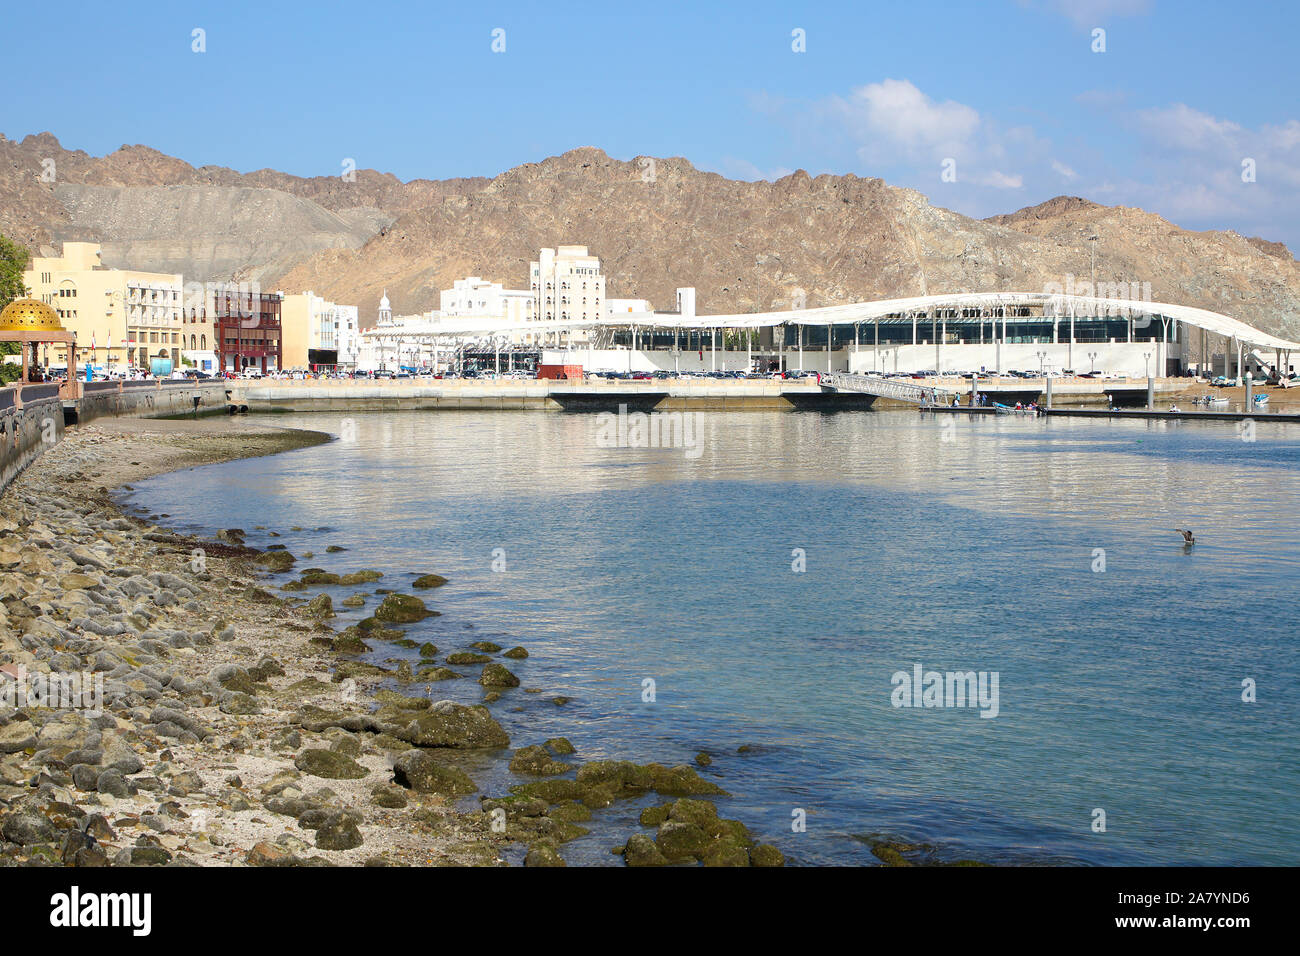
(566, 283)
(317, 333)
(122, 318)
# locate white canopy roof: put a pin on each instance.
(858, 312)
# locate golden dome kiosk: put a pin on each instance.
(31, 322)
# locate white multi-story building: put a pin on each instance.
(347, 335)
(473, 296)
(566, 283)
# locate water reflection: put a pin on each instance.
(967, 545)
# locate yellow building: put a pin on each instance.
(317, 333)
(123, 319)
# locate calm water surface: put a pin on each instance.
(954, 544)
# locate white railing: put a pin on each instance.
(889, 388)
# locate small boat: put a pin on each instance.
(1211, 401)
(1260, 400)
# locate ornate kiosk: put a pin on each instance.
(32, 322)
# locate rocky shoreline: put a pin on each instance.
(161, 706)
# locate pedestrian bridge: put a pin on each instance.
(883, 387)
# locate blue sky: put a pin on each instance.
(1010, 91)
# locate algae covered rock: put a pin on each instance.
(487, 647)
(338, 832)
(461, 658)
(560, 746)
(419, 771)
(681, 841)
(373, 627)
(455, 725)
(642, 851)
(543, 854)
(516, 654)
(329, 764)
(570, 811)
(436, 674)
(349, 642)
(367, 576)
(536, 761)
(552, 791)
(425, 581)
(402, 609)
(316, 576)
(394, 699)
(764, 854)
(496, 675)
(320, 606)
(653, 816)
(725, 854)
(682, 781)
(275, 560)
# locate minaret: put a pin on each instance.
(385, 310)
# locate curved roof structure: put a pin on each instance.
(862, 312)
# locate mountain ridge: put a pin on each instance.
(657, 223)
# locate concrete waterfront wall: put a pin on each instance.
(148, 399)
(28, 430)
(452, 394)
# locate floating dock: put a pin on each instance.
(1141, 414)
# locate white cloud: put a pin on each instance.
(893, 116)
(1177, 161)
(1001, 180)
(1182, 127)
(1192, 171)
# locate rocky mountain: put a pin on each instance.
(656, 224)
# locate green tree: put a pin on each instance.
(13, 262)
(14, 259)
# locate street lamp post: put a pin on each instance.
(1092, 357)
(1147, 357)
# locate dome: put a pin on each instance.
(383, 303)
(29, 315)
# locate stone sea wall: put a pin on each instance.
(31, 417)
(148, 399)
(28, 430)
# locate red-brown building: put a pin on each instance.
(246, 329)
